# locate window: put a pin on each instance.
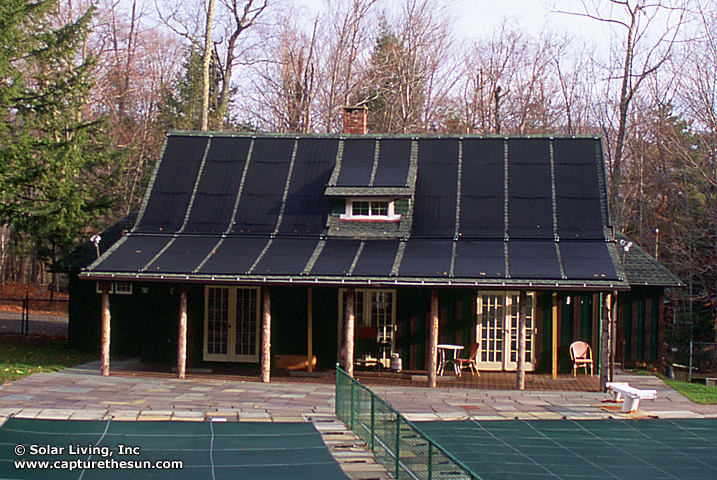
(360, 208)
(123, 288)
(120, 288)
(369, 209)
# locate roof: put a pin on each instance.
(641, 268)
(86, 253)
(505, 211)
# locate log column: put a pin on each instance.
(266, 337)
(105, 353)
(182, 334)
(522, 315)
(555, 336)
(433, 340)
(349, 338)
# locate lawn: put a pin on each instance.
(21, 356)
(694, 391)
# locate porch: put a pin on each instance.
(496, 380)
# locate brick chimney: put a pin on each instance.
(355, 119)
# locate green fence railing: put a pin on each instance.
(396, 443)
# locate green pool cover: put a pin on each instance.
(193, 450)
(653, 449)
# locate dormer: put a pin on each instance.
(372, 188)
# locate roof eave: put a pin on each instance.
(535, 284)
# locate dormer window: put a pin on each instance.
(370, 209)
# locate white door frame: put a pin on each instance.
(231, 313)
(496, 331)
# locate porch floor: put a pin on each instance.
(408, 378)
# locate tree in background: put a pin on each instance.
(58, 167)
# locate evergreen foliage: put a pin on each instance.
(57, 166)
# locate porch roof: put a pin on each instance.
(493, 211)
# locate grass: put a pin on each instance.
(21, 356)
(696, 392)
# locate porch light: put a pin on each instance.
(96, 239)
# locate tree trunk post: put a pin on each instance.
(266, 337)
(105, 353)
(182, 334)
(555, 336)
(522, 313)
(613, 335)
(349, 338)
(433, 341)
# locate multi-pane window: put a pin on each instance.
(246, 324)
(360, 209)
(379, 208)
(231, 329)
(217, 320)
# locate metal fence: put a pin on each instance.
(23, 308)
(396, 443)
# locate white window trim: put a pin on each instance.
(113, 288)
(390, 217)
(123, 288)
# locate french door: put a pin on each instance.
(231, 324)
(497, 331)
(374, 308)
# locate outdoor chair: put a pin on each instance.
(470, 362)
(582, 356)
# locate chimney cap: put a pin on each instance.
(354, 108)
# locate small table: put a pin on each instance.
(443, 361)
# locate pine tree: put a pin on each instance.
(58, 169)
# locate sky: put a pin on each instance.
(477, 18)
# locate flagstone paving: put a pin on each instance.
(80, 393)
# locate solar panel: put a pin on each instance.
(483, 189)
(429, 258)
(577, 192)
(530, 205)
(133, 254)
(286, 256)
(479, 259)
(235, 256)
(306, 206)
(336, 257)
(260, 202)
(434, 213)
(533, 260)
(219, 185)
(394, 161)
(183, 255)
(376, 258)
(357, 162)
(173, 185)
(587, 260)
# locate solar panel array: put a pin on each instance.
(483, 208)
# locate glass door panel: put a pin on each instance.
(497, 331)
(490, 331)
(231, 324)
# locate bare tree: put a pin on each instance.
(225, 41)
(344, 34)
(286, 86)
(645, 32)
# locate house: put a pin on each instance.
(349, 247)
